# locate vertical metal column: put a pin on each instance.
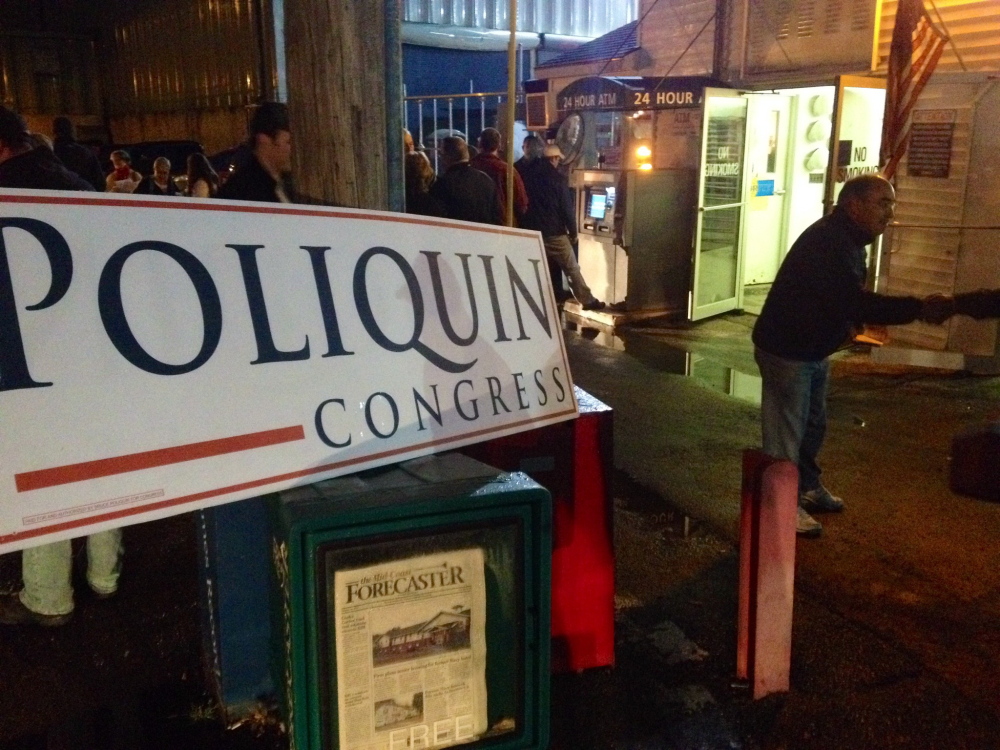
(435, 131)
(511, 90)
(394, 103)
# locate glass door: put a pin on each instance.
(717, 285)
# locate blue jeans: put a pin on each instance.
(793, 412)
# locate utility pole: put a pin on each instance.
(511, 95)
(336, 63)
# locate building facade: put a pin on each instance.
(811, 77)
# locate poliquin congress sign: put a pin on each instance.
(158, 355)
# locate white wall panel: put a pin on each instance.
(585, 18)
(974, 27)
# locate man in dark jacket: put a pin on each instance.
(265, 176)
(76, 157)
(816, 302)
(467, 193)
(550, 211)
(47, 595)
(531, 148)
(489, 162)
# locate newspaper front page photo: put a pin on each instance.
(411, 652)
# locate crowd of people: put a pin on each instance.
(29, 160)
(473, 187)
(198, 181)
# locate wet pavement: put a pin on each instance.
(896, 641)
(895, 638)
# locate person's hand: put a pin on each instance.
(937, 309)
(984, 303)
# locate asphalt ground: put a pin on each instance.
(895, 641)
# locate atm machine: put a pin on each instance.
(635, 237)
(632, 147)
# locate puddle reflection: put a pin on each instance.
(660, 356)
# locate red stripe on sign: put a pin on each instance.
(105, 467)
(263, 482)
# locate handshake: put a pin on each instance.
(937, 308)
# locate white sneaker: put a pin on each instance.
(806, 525)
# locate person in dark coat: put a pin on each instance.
(466, 193)
(489, 162)
(550, 211)
(265, 176)
(23, 165)
(531, 148)
(47, 594)
(419, 178)
(817, 301)
(75, 156)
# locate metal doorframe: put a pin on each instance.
(843, 82)
(723, 306)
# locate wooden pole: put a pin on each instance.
(335, 59)
(511, 94)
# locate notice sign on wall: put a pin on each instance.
(931, 135)
(158, 355)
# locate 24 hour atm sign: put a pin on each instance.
(597, 93)
(161, 355)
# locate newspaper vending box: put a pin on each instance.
(413, 608)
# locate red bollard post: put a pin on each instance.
(767, 572)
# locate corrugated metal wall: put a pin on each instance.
(183, 55)
(587, 18)
(48, 75)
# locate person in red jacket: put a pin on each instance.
(488, 160)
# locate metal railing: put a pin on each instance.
(473, 111)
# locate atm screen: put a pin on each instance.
(598, 206)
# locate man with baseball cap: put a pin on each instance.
(550, 211)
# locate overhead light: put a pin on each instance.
(646, 167)
(644, 152)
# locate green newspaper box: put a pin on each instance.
(413, 608)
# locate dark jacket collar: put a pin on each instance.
(857, 234)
